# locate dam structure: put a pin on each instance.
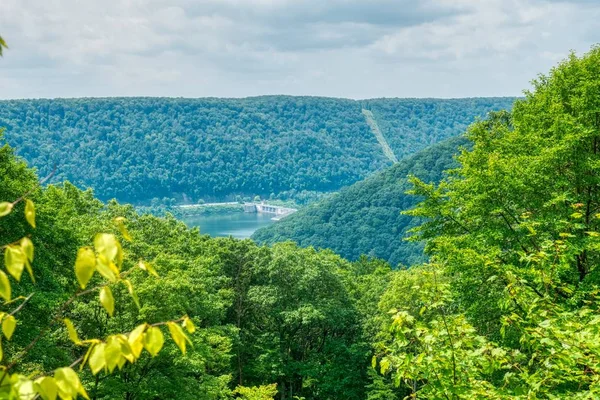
(264, 208)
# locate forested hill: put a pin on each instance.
(137, 149)
(366, 218)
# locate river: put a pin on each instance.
(237, 224)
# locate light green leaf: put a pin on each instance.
(85, 265)
(97, 362)
(153, 340)
(4, 286)
(148, 268)
(189, 325)
(178, 336)
(68, 383)
(106, 245)
(14, 259)
(129, 285)
(120, 222)
(8, 326)
(107, 300)
(5, 208)
(46, 387)
(72, 332)
(112, 353)
(103, 265)
(30, 212)
(136, 340)
(27, 247)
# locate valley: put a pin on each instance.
(298, 247)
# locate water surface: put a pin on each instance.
(237, 224)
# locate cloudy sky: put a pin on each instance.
(236, 48)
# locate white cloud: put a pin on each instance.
(348, 48)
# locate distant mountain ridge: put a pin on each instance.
(137, 149)
(366, 218)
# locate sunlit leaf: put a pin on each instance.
(136, 340)
(97, 362)
(129, 285)
(30, 212)
(14, 260)
(106, 245)
(46, 387)
(8, 326)
(85, 265)
(25, 388)
(178, 336)
(189, 325)
(112, 353)
(5, 208)
(4, 286)
(72, 332)
(148, 268)
(69, 385)
(104, 268)
(153, 340)
(107, 300)
(27, 247)
(120, 222)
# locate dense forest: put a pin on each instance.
(139, 149)
(282, 315)
(366, 218)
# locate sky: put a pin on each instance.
(238, 48)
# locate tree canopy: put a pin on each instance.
(138, 149)
(366, 217)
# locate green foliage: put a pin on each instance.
(508, 306)
(101, 354)
(143, 148)
(264, 392)
(366, 218)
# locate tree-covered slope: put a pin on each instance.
(366, 218)
(137, 149)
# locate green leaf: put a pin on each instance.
(178, 336)
(103, 265)
(72, 332)
(97, 362)
(106, 244)
(14, 259)
(46, 387)
(4, 286)
(69, 384)
(148, 268)
(136, 340)
(30, 212)
(107, 300)
(129, 285)
(27, 247)
(8, 326)
(153, 340)
(112, 353)
(5, 208)
(25, 388)
(189, 325)
(85, 265)
(120, 222)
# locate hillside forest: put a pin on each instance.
(142, 149)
